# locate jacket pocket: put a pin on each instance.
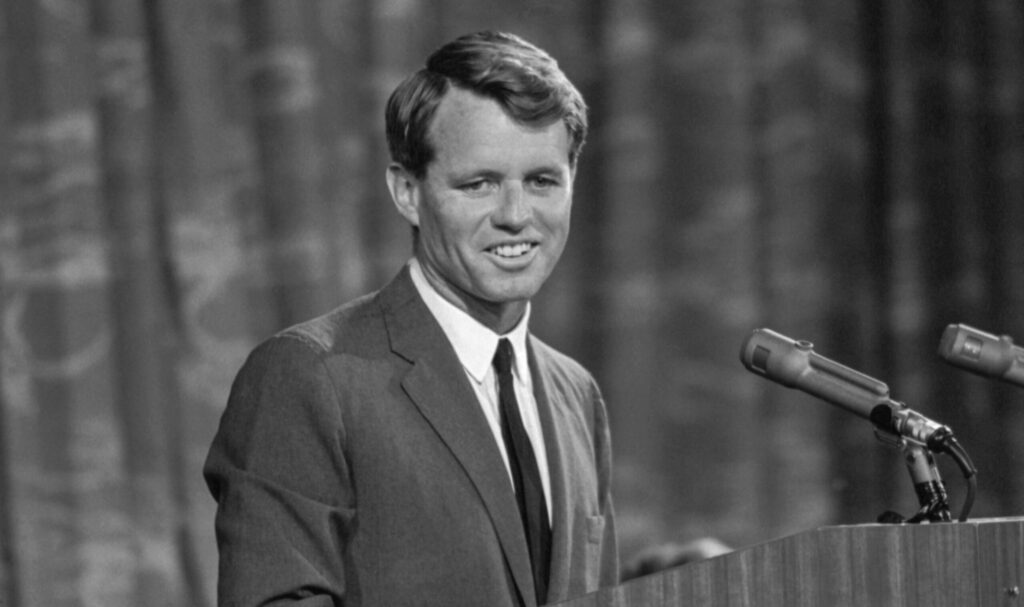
(595, 529)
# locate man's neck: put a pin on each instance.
(500, 317)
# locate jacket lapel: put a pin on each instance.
(435, 383)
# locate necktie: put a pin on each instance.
(525, 473)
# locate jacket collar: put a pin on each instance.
(473, 342)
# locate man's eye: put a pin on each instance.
(478, 185)
(544, 182)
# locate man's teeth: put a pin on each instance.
(512, 250)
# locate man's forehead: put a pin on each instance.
(469, 127)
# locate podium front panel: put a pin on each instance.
(975, 563)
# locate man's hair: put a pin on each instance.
(525, 80)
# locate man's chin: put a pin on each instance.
(512, 292)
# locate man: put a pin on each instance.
(374, 456)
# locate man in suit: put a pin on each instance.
(374, 455)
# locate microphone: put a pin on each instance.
(795, 364)
(983, 353)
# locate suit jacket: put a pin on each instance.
(353, 465)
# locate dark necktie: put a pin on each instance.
(525, 473)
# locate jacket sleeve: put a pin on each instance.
(277, 470)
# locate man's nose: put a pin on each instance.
(514, 208)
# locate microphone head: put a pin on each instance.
(976, 351)
(983, 353)
(775, 356)
(795, 364)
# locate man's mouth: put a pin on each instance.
(511, 251)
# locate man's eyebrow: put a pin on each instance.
(553, 168)
(471, 173)
(549, 168)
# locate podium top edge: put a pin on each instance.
(969, 522)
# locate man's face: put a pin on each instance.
(493, 208)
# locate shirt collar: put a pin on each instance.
(474, 343)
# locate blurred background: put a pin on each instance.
(182, 178)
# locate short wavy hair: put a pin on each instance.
(524, 79)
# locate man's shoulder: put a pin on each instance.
(359, 325)
(353, 322)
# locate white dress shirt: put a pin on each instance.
(475, 346)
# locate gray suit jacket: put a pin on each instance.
(353, 466)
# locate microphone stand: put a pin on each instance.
(931, 492)
(894, 425)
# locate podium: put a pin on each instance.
(974, 563)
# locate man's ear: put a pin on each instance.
(404, 192)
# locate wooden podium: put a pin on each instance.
(975, 563)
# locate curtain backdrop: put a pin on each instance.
(182, 178)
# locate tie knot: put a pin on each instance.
(503, 356)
